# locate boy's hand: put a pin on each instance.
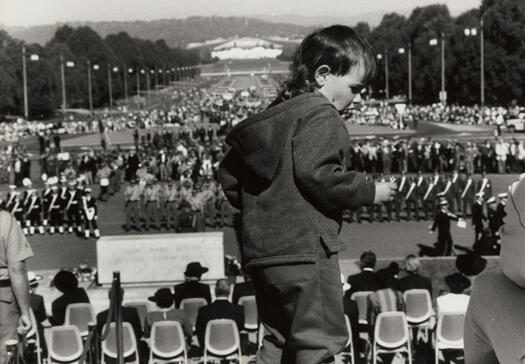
(384, 192)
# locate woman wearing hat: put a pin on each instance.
(166, 311)
(495, 321)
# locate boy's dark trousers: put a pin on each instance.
(301, 308)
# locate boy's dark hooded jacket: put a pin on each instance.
(286, 172)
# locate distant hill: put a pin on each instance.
(176, 32)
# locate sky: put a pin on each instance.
(38, 12)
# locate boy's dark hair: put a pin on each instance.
(368, 260)
(338, 47)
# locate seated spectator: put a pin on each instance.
(67, 283)
(366, 280)
(243, 289)
(192, 288)
(129, 314)
(36, 302)
(386, 299)
(351, 310)
(220, 309)
(166, 311)
(414, 280)
(456, 300)
(392, 270)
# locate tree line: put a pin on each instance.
(121, 54)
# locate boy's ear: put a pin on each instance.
(320, 74)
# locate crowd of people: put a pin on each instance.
(387, 114)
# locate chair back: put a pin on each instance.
(80, 315)
(449, 332)
(142, 309)
(221, 337)
(349, 329)
(65, 344)
(191, 306)
(361, 298)
(418, 304)
(167, 339)
(251, 319)
(129, 342)
(391, 330)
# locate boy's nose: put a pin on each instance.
(357, 99)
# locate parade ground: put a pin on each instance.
(386, 239)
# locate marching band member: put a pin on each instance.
(468, 195)
(17, 209)
(485, 185)
(90, 212)
(442, 224)
(45, 198)
(56, 215)
(33, 207)
(72, 208)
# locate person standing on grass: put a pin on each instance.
(287, 173)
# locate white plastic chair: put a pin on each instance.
(142, 309)
(361, 298)
(449, 332)
(129, 343)
(391, 334)
(191, 306)
(222, 340)
(167, 342)
(80, 315)
(349, 349)
(251, 319)
(65, 344)
(419, 310)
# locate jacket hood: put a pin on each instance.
(512, 256)
(260, 139)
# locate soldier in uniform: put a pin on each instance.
(401, 192)
(429, 199)
(456, 191)
(442, 224)
(500, 212)
(56, 215)
(90, 212)
(485, 185)
(171, 205)
(17, 210)
(73, 213)
(63, 198)
(449, 193)
(103, 176)
(468, 195)
(132, 196)
(14, 287)
(46, 199)
(492, 216)
(421, 189)
(152, 202)
(411, 199)
(33, 208)
(478, 217)
(10, 197)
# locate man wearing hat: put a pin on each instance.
(132, 196)
(46, 199)
(496, 314)
(166, 311)
(90, 212)
(33, 208)
(442, 224)
(478, 217)
(484, 185)
(14, 287)
(191, 287)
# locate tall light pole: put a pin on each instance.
(90, 94)
(482, 67)
(110, 91)
(125, 75)
(443, 92)
(24, 76)
(402, 51)
(387, 88)
(434, 42)
(63, 83)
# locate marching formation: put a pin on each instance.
(62, 205)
